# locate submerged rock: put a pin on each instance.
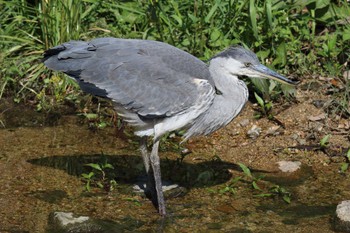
(289, 166)
(66, 222)
(342, 218)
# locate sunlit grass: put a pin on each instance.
(301, 38)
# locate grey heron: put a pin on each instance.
(158, 88)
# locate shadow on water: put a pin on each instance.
(289, 180)
(128, 168)
(299, 211)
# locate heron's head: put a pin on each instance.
(242, 62)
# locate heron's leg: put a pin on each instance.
(155, 163)
(144, 153)
(150, 191)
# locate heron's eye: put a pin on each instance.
(247, 64)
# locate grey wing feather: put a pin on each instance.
(150, 78)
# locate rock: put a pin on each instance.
(244, 122)
(297, 138)
(344, 124)
(342, 218)
(273, 130)
(318, 103)
(186, 151)
(254, 132)
(66, 222)
(289, 166)
(318, 117)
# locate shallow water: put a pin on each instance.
(41, 166)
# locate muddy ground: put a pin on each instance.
(42, 157)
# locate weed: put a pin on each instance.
(98, 177)
(134, 201)
(274, 190)
(278, 191)
(301, 37)
(230, 187)
(324, 142)
(97, 119)
(345, 166)
(265, 108)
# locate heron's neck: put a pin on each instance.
(226, 83)
(228, 102)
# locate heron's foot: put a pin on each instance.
(170, 190)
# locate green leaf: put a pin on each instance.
(346, 33)
(91, 116)
(87, 186)
(94, 166)
(344, 167)
(245, 169)
(215, 35)
(268, 5)
(178, 20)
(211, 13)
(102, 125)
(260, 100)
(255, 186)
(100, 185)
(324, 140)
(263, 195)
(88, 176)
(332, 42)
(286, 198)
(253, 18)
(108, 166)
(281, 53)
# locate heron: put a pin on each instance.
(158, 88)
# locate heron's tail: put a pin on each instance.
(68, 57)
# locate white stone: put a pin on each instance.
(343, 211)
(289, 166)
(67, 218)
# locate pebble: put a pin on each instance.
(67, 218)
(244, 122)
(254, 132)
(289, 166)
(318, 103)
(297, 138)
(319, 117)
(342, 218)
(273, 130)
(185, 151)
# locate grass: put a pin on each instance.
(266, 190)
(298, 38)
(98, 176)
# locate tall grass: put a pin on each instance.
(26, 31)
(295, 36)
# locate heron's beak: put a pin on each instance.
(264, 72)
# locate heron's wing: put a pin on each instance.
(150, 78)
